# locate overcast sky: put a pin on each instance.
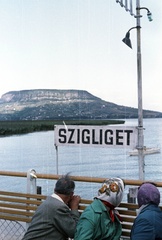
(77, 44)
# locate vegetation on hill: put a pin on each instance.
(43, 104)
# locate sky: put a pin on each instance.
(77, 44)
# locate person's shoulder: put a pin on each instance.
(97, 202)
(152, 208)
(52, 200)
(150, 211)
(97, 206)
(55, 204)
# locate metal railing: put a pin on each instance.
(131, 182)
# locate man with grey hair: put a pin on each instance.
(57, 216)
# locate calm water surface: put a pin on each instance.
(37, 151)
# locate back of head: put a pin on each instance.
(148, 193)
(112, 191)
(65, 185)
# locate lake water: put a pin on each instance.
(36, 151)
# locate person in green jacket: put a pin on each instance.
(100, 220)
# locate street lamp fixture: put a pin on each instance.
(127, 40)
(149, 14)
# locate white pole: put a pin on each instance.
(139, 85)
(139, 82)
(57, 171)
(56, 147)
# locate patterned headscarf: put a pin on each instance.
(148, 193)
(112, 191)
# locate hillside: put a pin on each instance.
(50, 104)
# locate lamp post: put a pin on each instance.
(139, 85)
(127, 41)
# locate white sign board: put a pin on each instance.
(97, 136)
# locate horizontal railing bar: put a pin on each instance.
(25, 207)
(127, 212)
(128, 219)
(15, 218)
(26, 195)
(128, 205)
(126, 226)
(25, 201)
(16, 212)
(75, 178)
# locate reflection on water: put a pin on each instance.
(37, 151)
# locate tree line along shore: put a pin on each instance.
(21, 127)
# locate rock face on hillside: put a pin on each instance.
(46, 95)
(62, 104)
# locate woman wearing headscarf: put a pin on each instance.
(148, 224)
(100, 220)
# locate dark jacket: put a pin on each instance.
(52, 220)
(148, 224)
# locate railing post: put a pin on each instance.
(31, 184)
(31, 181)
(132, 195)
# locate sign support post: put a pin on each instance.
(56, 147)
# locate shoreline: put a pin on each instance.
(8, 128)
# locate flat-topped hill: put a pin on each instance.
(52, 104)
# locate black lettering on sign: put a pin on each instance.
(107, 138)
(62, 135)
(119, 137)
(78, 136)
(71, 131)
(128, 132)
(85, 136)
(100, 136)
(93, 137)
